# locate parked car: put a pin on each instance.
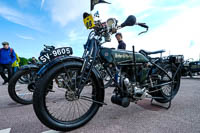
(191, 68)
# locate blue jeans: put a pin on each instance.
(15, 69)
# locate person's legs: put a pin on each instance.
(14, 70)
(2, 68)
(9, 67)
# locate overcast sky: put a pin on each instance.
(28, 24)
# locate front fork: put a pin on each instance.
(85, 73)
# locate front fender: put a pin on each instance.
(56, 61)
(100, 84)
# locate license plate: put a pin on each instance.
(64, 51)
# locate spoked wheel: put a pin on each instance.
(23, 79)
(61, 108)
(168, 92)
(22, 92)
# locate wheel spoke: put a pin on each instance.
(62, 104)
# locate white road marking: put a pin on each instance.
(50, 131)
(5, 130)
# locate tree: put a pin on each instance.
(23, 61)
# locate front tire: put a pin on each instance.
(22, 92)
(54, 108)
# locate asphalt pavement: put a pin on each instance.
(182, 117)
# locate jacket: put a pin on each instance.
(121, 45)
(7, 56)
(17, 61)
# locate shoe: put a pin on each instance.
(4, 82)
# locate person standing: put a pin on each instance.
(34, 61)
(7, 58)
(121, 44)
(15, 65)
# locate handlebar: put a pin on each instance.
(48, 48)
(143, 25)
(105, 31)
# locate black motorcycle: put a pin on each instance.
(79, 92)
(22, 84)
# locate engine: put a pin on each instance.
(133, 90)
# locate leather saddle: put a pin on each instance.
(144, 52)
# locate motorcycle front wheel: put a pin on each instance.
(22, 92)
(60, 108)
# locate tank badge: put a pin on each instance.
(106, 54)
(122, 56)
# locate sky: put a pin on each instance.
(174, 25)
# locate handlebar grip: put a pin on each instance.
(49, 47)
(143, 25)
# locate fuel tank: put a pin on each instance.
(119, 56)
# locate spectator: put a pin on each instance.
(34, 61)
(15, 65)
(121, 45)
(7, 57)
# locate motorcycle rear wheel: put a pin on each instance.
(165, 92)
(54, 108)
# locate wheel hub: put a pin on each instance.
(166, 90)
(70, 96)
(31, 87)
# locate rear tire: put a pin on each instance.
(42, 106)
(164, 93)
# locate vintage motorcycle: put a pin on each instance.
(191, 68)
(22, 84)
(80, 90)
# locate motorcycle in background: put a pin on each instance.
(22, 84)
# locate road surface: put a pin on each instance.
(182, 117)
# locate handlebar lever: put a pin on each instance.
(144, 26)
(142, 32)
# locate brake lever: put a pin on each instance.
(143, 32)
